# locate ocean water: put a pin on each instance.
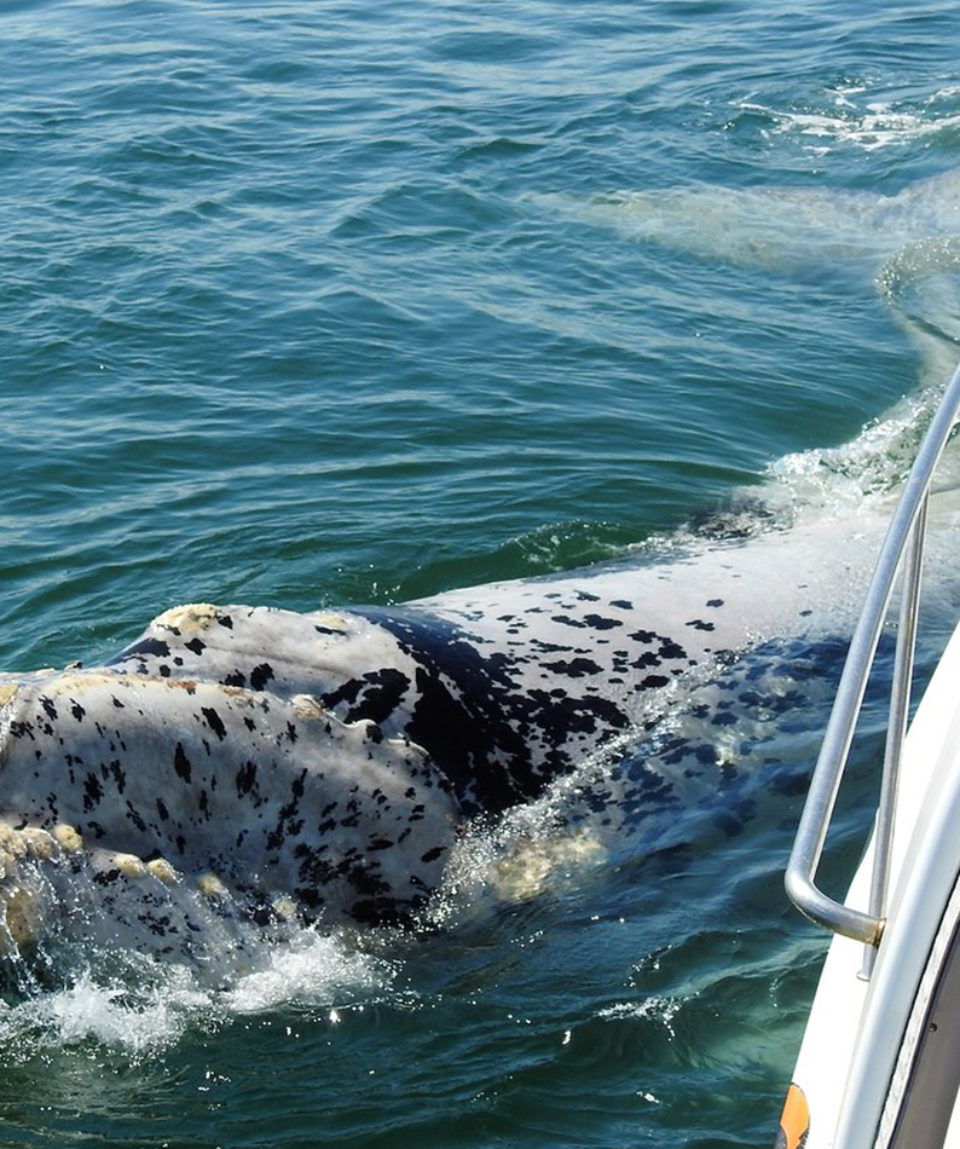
(314, 303)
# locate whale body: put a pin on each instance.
(325, 763)
(786, 229)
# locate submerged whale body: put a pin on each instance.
(321, 765)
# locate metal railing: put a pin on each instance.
(905, 537)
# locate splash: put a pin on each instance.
(130, 1003)
(857, 115)
(90, 977)
(311, 968)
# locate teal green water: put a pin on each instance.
(308, 303)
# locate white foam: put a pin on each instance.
(851, 117)
(311, 969)
(146, 1006)
(145, 1011)
(109, 992)
(661, 1009)
(155, 1016)
(861, 475)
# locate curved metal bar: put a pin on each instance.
(814, 822)
(896, 724)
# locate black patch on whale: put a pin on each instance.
(374, 696)
(145, 648)
(474, 718)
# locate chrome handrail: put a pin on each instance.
(908, 525)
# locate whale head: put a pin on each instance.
(167, 780)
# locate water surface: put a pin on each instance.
(323, 303)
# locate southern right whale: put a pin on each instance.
(326, 763)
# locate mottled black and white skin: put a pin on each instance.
(326, 760)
